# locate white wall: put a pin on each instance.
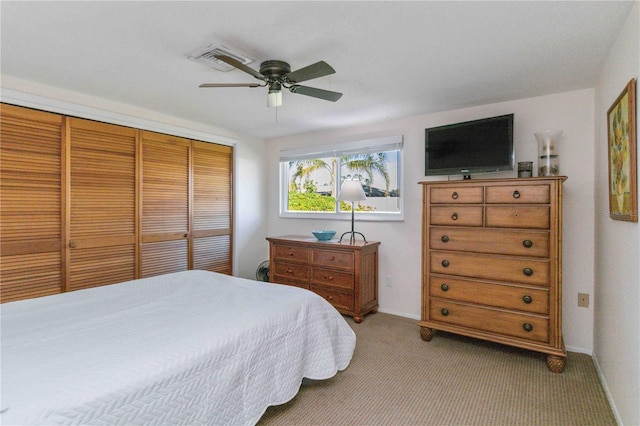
(401, 241)
(617, 247)
(249, 167)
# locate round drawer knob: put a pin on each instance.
(444, 287)
(454, 216)
(444, 312)
(445, 263)
(516, 194)
(527, 243)
(444, 239)
(527, 271)
(454, 195)
(527, 327)
(527, 299)
(73, 244)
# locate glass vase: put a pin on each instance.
(548, 158)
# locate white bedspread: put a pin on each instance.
(187, 348)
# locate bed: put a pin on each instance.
(191, 347)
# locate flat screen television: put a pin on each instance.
(477, 146)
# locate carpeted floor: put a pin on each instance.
(395, 378)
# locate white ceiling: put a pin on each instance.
(392, 59)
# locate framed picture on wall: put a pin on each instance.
(621, 130)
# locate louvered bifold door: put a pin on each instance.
(31, 175)
(212, 207)
(164, 204)
(102, 215)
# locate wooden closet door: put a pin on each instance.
(165, 204)
(31, 182)
(102, 204)
(212, 207)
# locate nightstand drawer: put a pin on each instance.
(295, 253)
(520, 194)
(332, 278)
(452, 195)
(517, 243)
(290, 271)
(456, 215)
(339, 299)
(530, 327)
(491, 267)
(335, 259)
(530, 217)
(519, 298)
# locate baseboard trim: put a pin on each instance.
(607, 392)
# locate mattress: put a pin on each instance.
(192, 347)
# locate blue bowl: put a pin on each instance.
(324, 235)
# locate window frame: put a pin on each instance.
(363, 146)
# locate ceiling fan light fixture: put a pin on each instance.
(274, 98)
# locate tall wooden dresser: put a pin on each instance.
(344, 274)
(491, 265)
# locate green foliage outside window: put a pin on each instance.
(306, 201)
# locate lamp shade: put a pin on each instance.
(352, 191)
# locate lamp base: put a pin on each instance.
(352, 238)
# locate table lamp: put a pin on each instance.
(352, 191)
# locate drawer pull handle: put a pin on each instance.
(186, 235)
(454, 216)
(332, 258)
(73, 244)
(516, 194)
(444, 287)
(444, 312)
(328, 277)
(527, 243)
(289, 271)
(527, 327)
(290, 253)
(454, 195)
(445, 263)
(527, 299)
(527, 271)
(330, 297)
(444, 239)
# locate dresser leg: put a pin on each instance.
(555, 363)
(358, 319)
(426, 333)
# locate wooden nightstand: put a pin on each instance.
(344, 274)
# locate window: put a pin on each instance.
(311, 179)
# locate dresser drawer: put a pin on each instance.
(339, 299)
(290, 271)
(525, 326)
(295, 253)
(528, 299)
(521, 194)
(491, 267)
(531, 217)
(456, 215)
(336, 259)
(332, 278)
(453, 194)
(517, 243)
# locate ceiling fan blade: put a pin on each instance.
(229, 60)
(229, 85)
(327, 95)
(319, 69)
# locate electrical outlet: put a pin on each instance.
(583, 300)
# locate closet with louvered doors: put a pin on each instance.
(102, 203)
(212, 207)
(31, 215)
(165, 204)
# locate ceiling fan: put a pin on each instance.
(278, 74)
